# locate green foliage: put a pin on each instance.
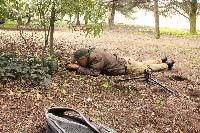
(159, 103)
(105, 85)
(43, 9)
(10, 23)
(153, 49)
(198, 46)
(3, 12)
(182, 7)
(120, 24)
(19, 9)
(52, 65)
(127, 7)
(31, 70)
(93, 13)
(196, 58)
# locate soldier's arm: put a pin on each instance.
(96, 65)
(87, 71)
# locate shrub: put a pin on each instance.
(30, 70)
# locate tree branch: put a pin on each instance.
(180, 13)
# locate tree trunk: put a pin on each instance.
(29, 20)
(78, 23)
(193, 29)
(29, 17)
(52, 21)
(112, 8)
(156, 16)
(193, 16)
(19, 21)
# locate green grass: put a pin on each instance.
(159, 103)
(195, 58)
(9, 23)
(105, 85)
(175, 31)
(169, 31)
(153, 49)
(197, 47)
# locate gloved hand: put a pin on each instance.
(71, 66)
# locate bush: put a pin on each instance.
(31, 70)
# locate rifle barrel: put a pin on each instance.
(133, 78)
(163, 87)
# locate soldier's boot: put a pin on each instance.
(164, 59)
(170, 64)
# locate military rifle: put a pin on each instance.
(147, 76)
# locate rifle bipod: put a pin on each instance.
(147, 76)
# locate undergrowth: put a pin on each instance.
(30, 71)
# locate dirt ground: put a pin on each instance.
(127, 107)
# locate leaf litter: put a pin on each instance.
(127, 107)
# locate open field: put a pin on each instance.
(126, 107)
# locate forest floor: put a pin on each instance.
(127, 107)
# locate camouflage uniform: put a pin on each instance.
(101, 62)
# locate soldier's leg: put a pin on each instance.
(159, 67)
(149, 62)
(154, 67)
(135, 67)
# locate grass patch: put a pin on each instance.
(120, 24)
(153, 49)
(159, 103)
(105, 85)
(196, 58)
(9, 23)
(177, 32)
(197, 47)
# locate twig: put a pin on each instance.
(21, 35)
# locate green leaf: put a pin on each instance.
(105, 85)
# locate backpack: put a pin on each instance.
(59, 122)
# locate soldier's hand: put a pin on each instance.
(72, 66)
